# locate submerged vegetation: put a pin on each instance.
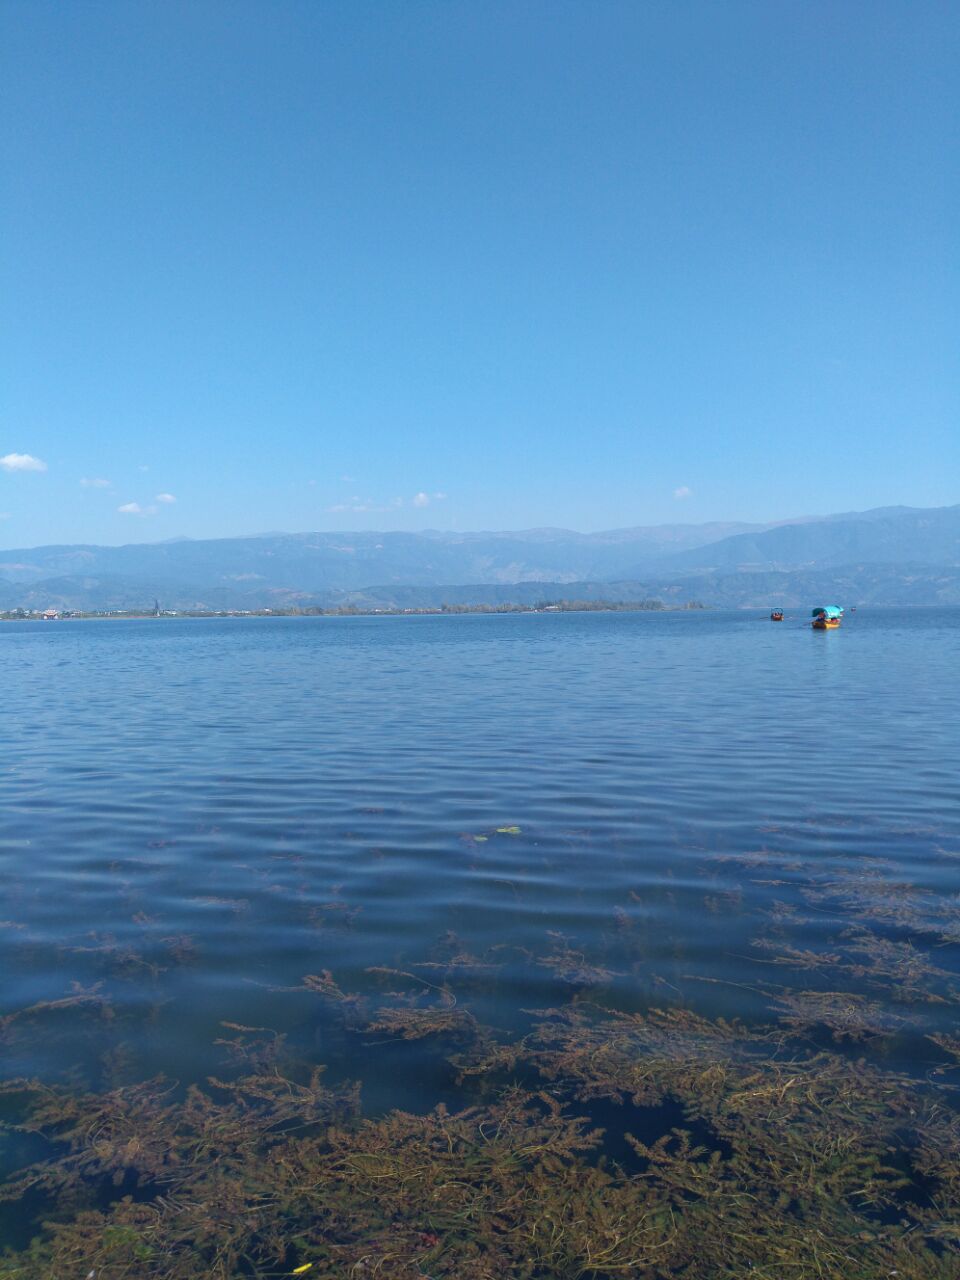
(600, 1137)
(740, 1154)
(598, 1142)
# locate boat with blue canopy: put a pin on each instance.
(826, 616)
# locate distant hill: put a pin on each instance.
(320, 561)
(891, 535)
(853, 584)
(892, 555)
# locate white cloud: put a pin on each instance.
(22, 462)
(95, 482)
(166, 498)
(356, 504)
(365, 504)
(683, 492)
(4, 515)
(439, 497)
(135, 509)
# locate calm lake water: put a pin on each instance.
(654, 809)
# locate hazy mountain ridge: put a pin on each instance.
(315, 561)
(897, 535)
(889, 555)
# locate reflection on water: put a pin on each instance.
(671, 898)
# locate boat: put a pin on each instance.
(826, 616)
(777, 615)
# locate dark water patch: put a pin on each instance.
(619, 1122)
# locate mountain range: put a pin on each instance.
(891, 555)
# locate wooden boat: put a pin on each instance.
(777, 615)
(826, 617)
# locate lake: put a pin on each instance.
(643, 868)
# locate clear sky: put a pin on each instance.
(312, 264)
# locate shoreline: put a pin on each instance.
(350, 611)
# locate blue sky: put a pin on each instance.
(324, 264)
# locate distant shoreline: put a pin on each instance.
(354, 611)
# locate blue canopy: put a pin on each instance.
(828, 610)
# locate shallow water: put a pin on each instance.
(672, 810)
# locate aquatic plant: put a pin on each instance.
(589, 1143)
(779, 1162)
